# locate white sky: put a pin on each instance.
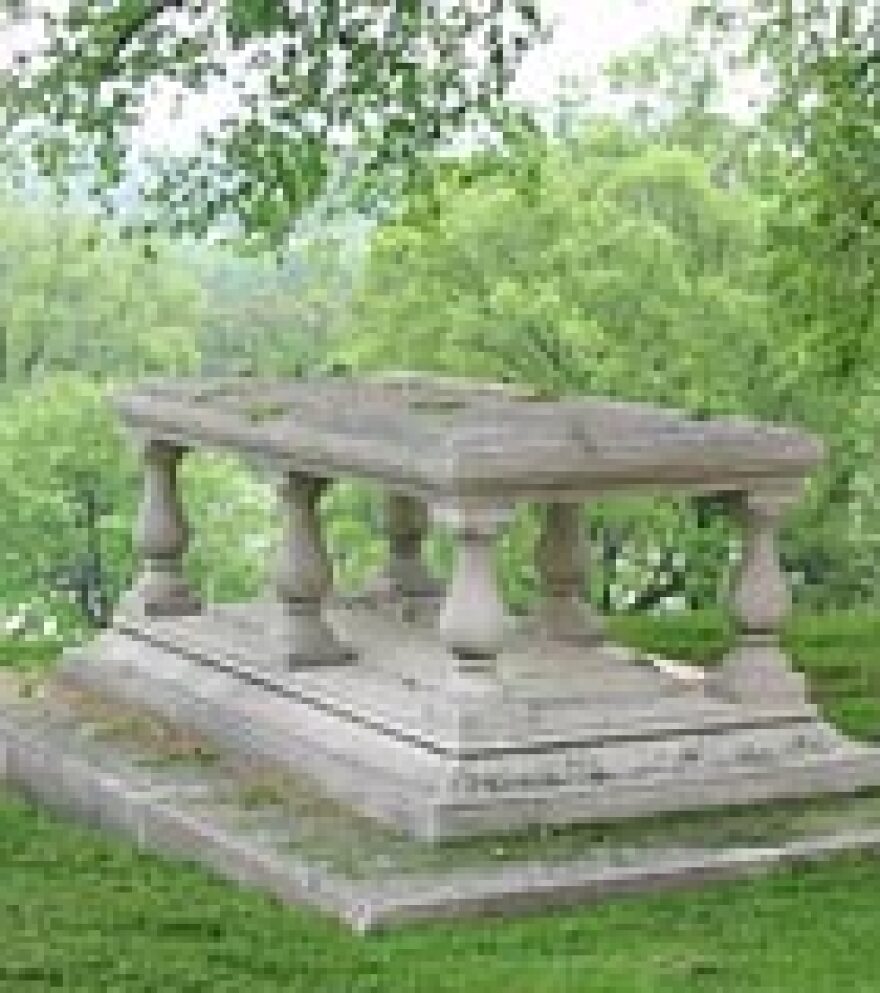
(588, 32)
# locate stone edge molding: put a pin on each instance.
(57, 776)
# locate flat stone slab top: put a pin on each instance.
(435, 436)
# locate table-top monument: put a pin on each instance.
(429, 708)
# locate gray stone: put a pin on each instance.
(430, 710)
(439, 439)
(55, 767)
(618, 738)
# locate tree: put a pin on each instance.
(823, 111)
(823, 120)
(606, 263)
(273, 319)
(102, 312)
(360, 87)
(626, 271)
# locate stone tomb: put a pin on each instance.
(430, 709)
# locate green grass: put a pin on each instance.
(81, 911)
(839, 652)
(33, 654)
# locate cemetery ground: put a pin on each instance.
(81, 910)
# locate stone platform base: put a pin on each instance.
(563, 735)
(124, 770)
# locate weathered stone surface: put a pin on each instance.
(442, 719)
(439, 438)
(79, 759)
(591, 737)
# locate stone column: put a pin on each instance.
(161, 538)
(405, 580)
(472, 622)
(303, 577)
(756, 670)
(561, 559)
(407, 521)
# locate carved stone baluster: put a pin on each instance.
(161, 538)
(756, 670)
(561, 560)
(472, 622)
(407, 529)
(303, 578)
(405, 580)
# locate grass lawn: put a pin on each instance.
(81, 911)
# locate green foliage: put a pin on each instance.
(626, 273)
(622, 270)
(77, 297)
(230, 517)
(807, 156)
(699, 638)
(840, 517)
(55, 435)
(60, 433)
(336, 90)
(352, 521)
(274, 319)
(824, 112)
(628, 268)
(71, 304)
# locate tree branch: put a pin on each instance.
(133, 28)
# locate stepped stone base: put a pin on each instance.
(119, 769)
(563, 734)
